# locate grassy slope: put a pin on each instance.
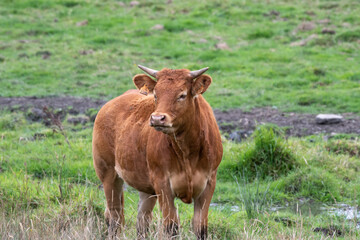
(260, 68)
(44, 180)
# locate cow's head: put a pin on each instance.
(174, 94)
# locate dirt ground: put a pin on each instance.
(235, 122)
(297, 124)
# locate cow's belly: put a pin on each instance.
(179, 184)
(136, 179)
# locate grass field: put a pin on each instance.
(45, 52)
(48, 188)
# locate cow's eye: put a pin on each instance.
(155, 97)
(181, 97)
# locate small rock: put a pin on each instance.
(235, 136)
(76, 120)
(86, 52)
(272, 13)
(298, 43)
(324, 21)
(36, 114)
(24, 41)
(346, 24)
(280, 19)
(202, 40)
(93, 117)
(43, 54)
(158, 27)
(121, 4)
(328, 119)
(319, 72)
(328, 31)
(286, 221)
(330, 231)
(310, 13)
(38, 136)
(242, 43)
(134, 3)
(185, 11)
(222, 46)
(306, 26)
(23, 55)
(304, 41)
(56, 20)
(238, 136)
(82, 23)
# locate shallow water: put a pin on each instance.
(313, 208)
(306, 208)
(222, 207)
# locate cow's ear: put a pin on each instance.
(201, 84)
(144, 83)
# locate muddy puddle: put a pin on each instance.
(312, 208)
(305, 208)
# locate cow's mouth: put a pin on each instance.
(164, 129)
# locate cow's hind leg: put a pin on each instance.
(114, 213)
(144, 217)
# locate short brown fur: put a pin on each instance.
(179, 160)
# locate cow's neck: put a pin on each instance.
(187, 139)
(186, 142)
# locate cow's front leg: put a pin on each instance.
(167, 207)
(145, 207)
(201, 209)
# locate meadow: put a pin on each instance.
(295, 56)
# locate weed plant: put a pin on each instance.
(254, 201)
(267, 155)
(270, 154)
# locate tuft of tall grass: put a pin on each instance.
(266, 155)
(255, 202)
(270, 154)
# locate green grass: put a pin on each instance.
(259, 69)
(43, 179)
(50, 190)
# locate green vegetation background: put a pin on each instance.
(91, 49)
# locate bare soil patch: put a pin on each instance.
(74, 105)
(230, 121)
(296, 124)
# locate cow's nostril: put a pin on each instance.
(157, 119)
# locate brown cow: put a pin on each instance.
(162, 140)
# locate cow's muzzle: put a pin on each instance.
(157, 120)
(161, 122)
